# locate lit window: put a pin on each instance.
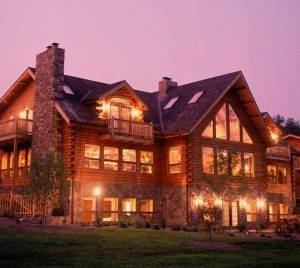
(195, 97)
(272, 174)
(251, 212)
(277, 211)
(68, 90)
(175, 159)
(91, 156)
(146, 209)
(234, 125)
(208, 160)
(283, 211)
(129, 205)
(111, 157)
(110, 209)
(249, 164)
(246, 137)
(221, 123)
(208, 132)
(222, 162)
(236, 163)
(281, 173)
(146, 162)
(129, 160)
(4, 163)
(171, 102)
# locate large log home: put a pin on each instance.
(152, 154)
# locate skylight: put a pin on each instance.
(68, 90)
(171, 102)
(195, 97)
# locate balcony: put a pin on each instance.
(279, 153)
(15, 128)
(130, 130)
(297, 163)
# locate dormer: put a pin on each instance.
(274, 130)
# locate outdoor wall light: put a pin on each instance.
(243, 203)
(260, 204)
(218, 202)
(97, 191)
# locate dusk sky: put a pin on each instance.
(141, 41)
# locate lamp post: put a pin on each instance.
(97, 192)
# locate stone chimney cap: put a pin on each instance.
(49, 47)
(55, 44)
(167, 78)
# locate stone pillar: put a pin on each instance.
(49, 79)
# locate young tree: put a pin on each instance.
(47, 182)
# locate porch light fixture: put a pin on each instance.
(218, 202)
(243, 203)
(260, 204)
(199, 201)
(97, 192)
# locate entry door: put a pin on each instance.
(230, 213)
(87, 215)
(121, 112)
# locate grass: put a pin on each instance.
(118, 247)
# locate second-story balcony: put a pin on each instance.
(279, 153)
(297, 163)
(15, 128)
(128, 130)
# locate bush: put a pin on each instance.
(147, 224)
(176, 228)
(163, 223)
(6, 214)
(123, 224)
(58, 211)
(241, 227)
(195, 229)
(139, 223)
(156, 227)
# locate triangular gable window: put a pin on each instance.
(68, 90)
(171, 102)
(234, 125)
(246, 137)
(208, 132)
(195, 97)
(221, 123)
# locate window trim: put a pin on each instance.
(91, 158)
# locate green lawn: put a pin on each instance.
(118, 247)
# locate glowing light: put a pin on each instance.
(97, 191)
(105, 107)
(199, 201)
(243, 203)
(218, 202)
(136, 113)
(260, 204)
(23, 114)
(274, 136)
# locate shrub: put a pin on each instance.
(163, 223)
(156, 227)
(139, 223)
(147, 224)
(6, 214)
(58, 211)
(176, 228)
(241, 227)
(195, 229)
(123, 224)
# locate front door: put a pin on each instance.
(88, 213)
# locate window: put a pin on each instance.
(221, 123)
(195, 97)
(146, 162)
(222, 162)
(208, 160)
(91, 156)
(272, 173)
(68, 90)
(110, 209)
(208, 132)
(251, 211)
(246, 137)
(248, 164)
(4, 165)
(277, 211)
(128, 205)
(236, 163)
(234, 125)
(111, 157)
(21, 162)
(146, 209)
(171, 102)
(129, 160)
(175, 159)
(277, 174)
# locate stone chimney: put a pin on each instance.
(49, 80)
(164, 85)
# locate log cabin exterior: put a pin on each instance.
(151, 154)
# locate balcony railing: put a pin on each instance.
(279, 152)
(130, 129)
(297, 163)
(15, 126)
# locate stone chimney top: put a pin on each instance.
(166, 84)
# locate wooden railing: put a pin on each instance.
(131, 129)
(15, 126)
(15, 204)
(279, 152)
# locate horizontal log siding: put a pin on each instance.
(89, 136)
(22, 101)
(257, 148)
